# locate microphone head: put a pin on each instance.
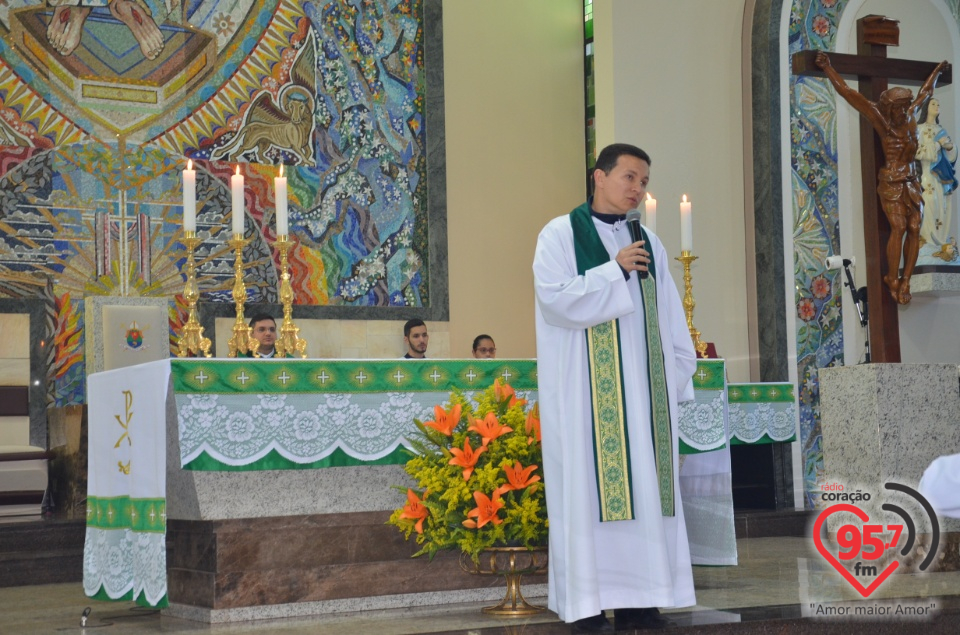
(633, 215)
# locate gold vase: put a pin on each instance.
(512, 563)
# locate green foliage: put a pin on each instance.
(448, 498)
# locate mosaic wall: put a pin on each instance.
(101, 105)
(816, 231)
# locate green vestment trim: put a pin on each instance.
(274, 461)
(121, 512)
(141, 599)
(608, 406)
(659, 395)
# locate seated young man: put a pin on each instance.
(264, 331)
(415, 337)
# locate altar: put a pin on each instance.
(270, 481)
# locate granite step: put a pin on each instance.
(48, 567)
(41, 552)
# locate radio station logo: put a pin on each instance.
(867, 550)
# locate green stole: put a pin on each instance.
(611, 446)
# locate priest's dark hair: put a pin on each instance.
(609, 155)
(260, 317)
(410, 325)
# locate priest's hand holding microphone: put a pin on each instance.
(634, 257)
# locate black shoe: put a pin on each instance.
(595, 624)
(650, 618)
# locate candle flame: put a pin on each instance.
(684, 198)
(189, 164)
(238, 170)
(281, 170)
(649, 197)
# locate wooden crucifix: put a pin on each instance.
(874, 70)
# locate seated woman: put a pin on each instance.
(484, 348)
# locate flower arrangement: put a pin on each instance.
(478, 469)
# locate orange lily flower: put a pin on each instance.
(415, 509)
(504, 391)
(466, 458)
(519, 476)
(533, 424)
(485, 511)
(445, 421)
(489, 428)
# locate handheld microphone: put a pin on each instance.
(633, 226)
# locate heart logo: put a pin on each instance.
(829, 557)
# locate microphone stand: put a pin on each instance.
(859, 297)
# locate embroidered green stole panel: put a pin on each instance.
(611, 443)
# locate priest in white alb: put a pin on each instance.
(614, 358)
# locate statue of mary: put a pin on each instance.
(937, 156)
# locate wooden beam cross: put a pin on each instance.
(874, 70)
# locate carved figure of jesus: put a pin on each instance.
(894, 117)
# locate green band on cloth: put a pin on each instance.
(122, 512)
(274, 461)
(709, 375)
(761, 393)
(686, 448)
(287, 376)
(141, 599)
(762, 440)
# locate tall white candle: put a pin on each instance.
(280, 185)
(236, 187)
(686, 225)
(189, 198)
(651, 209)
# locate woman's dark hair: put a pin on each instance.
(480, 338)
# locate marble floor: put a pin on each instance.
(780, 586)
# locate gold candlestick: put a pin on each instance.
(289, 342)
(242, 340)
(687, 258)
(191, 335)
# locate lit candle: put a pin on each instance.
(189, 198)
(280, 185)
(236, 187)
(651, 209)
(686, 225)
